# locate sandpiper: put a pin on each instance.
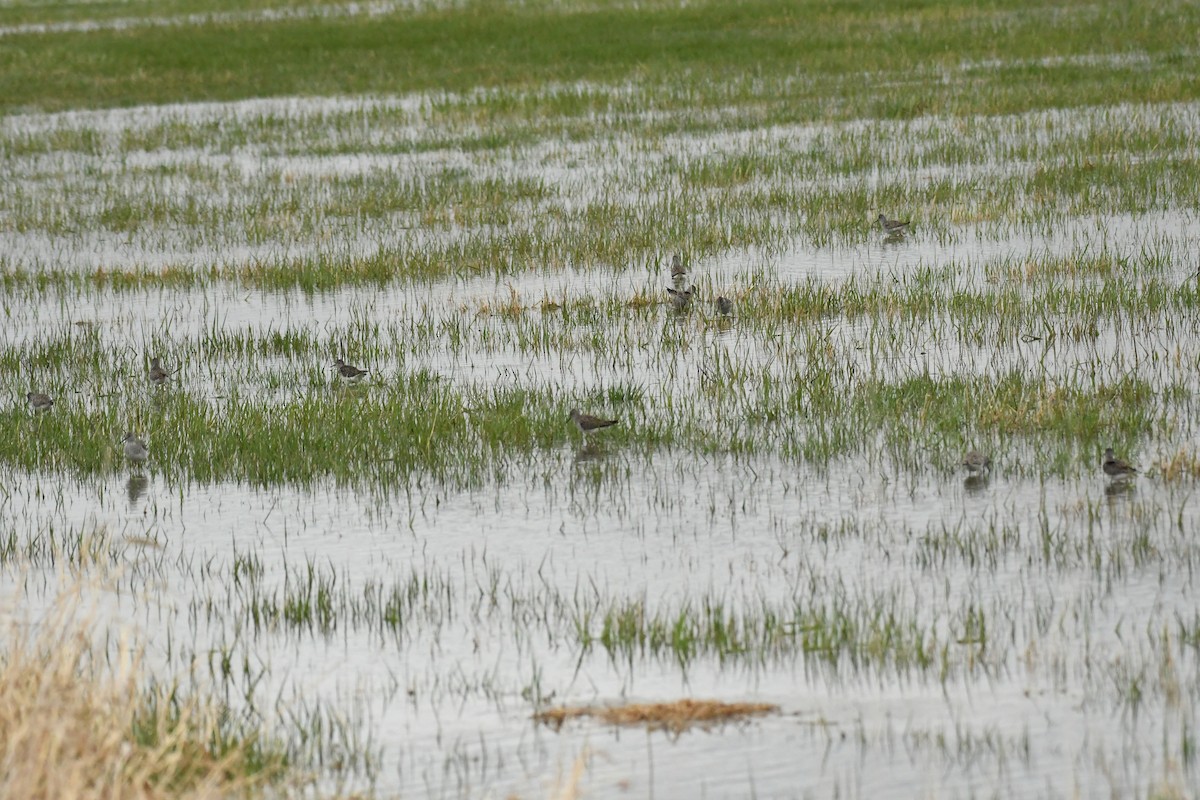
(589, 424)
(681, 299)
(158, 375)
(976, 462)
(678, 270)
(724, 306)
(39, 401)
(135, 449)
(1115, 467)
(892, 226)
(347, 371)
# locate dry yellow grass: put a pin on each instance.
(1181, 466)
(675, 717)
(72, 726)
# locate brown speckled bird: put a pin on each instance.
(589, 424)
(1115, 467)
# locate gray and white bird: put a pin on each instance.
(724, 306)
(678, 270)
(348, 372)
(159, 374)
(135, 449)
(39, 401)
(681, 299)
(892, 226)
(588, 423)
(976, 462)
(1114, 467)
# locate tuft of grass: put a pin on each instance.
(72, 727)
(675, 717)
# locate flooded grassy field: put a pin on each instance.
(427, 581)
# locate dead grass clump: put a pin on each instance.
(73, 726)
(1181, 466)
(675, 717)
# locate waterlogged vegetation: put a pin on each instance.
(266, 407)
(378, 587)
(365, 214)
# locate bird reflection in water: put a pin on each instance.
(135, 487)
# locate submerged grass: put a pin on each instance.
(385, 435)
(400, 220)
(491, 238)
(926, 363)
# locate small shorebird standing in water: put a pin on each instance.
(681, 299)
(724, 306)
(678, 270)
(977, 463)
(589, 424)
(892, 226)
(159, 375)
(39, 401)
(348, 372)
(135, 449)
(1115, 468)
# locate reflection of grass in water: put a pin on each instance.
(827, 624)
(833, 629)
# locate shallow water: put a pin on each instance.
(1031, 633)
(441, 697)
